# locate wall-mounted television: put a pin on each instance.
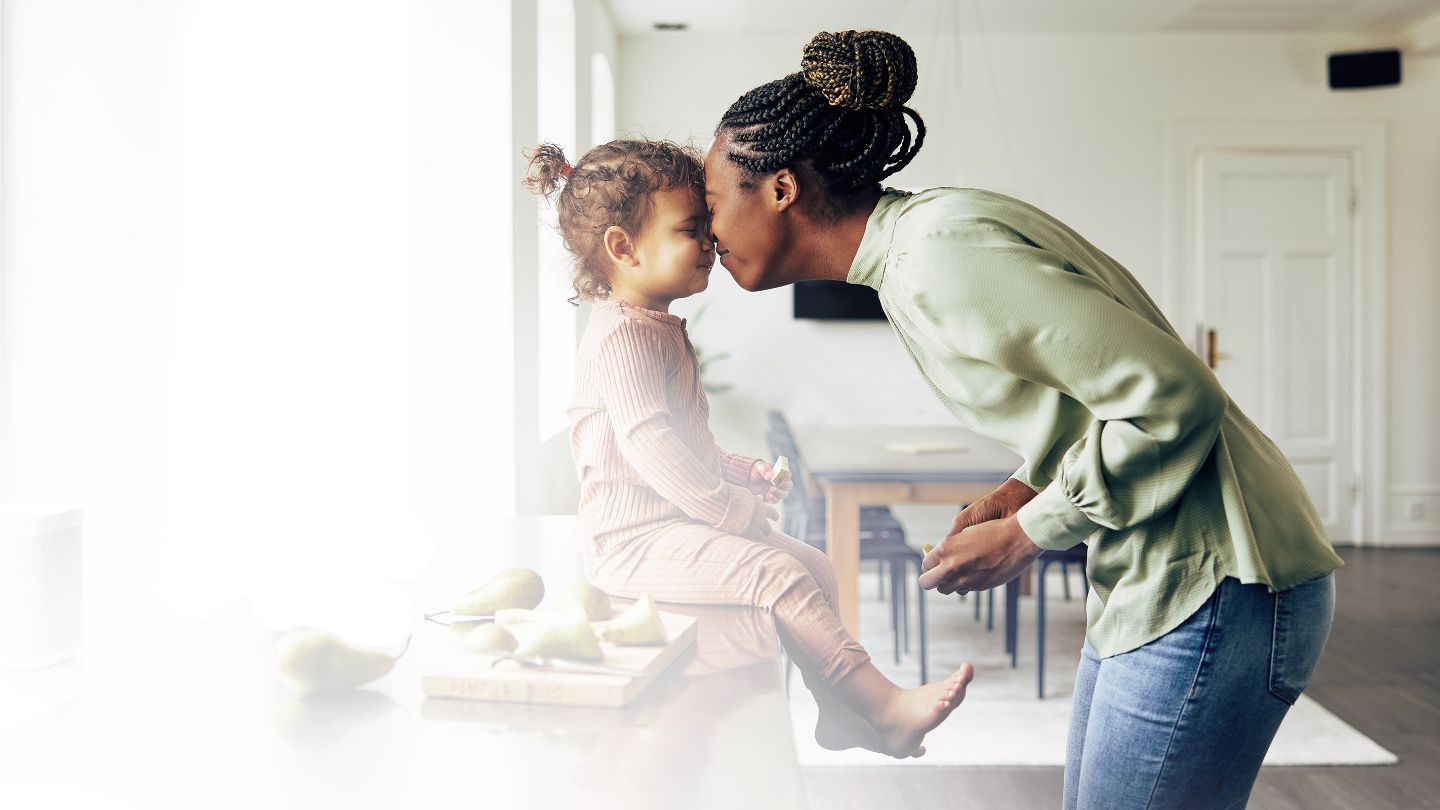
(837, 301)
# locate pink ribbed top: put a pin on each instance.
(640, 433)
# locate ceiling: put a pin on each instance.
(1109, 16)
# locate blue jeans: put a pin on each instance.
(1185, 720)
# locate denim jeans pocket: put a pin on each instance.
(1303, 616)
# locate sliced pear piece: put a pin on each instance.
(565, 635)
(511, 588)
(781, 472)
(638, 626)
(316, 661)
(595, 601)
(508, 616)
(927, 548)
(489, 638)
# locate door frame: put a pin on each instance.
(1365, 143)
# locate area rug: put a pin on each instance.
(1002, 722)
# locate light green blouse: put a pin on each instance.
(1033, 337)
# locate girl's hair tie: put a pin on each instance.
(566, 170)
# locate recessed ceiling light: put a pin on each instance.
(671, 26)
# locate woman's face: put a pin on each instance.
(745, 223)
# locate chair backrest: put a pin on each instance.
(805, 498)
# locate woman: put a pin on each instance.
(1211, 591)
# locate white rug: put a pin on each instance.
(1002, 722)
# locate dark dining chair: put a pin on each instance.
(882, 538)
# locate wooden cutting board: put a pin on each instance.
(452, 671)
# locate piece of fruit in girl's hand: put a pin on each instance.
(638, 626)
(781, 472)
(927, 548)
(566, 635)
(511, 588)
(489, 638)
(316, 661)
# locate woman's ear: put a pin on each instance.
(784, 188)
(620, 247)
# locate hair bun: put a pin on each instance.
(860, 70)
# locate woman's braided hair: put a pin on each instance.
(611, 185)
(842, 116)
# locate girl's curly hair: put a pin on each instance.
(611, 185)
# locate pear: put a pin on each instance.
(638, 626)
(781, 471)
(316, 661)
(566, 635)
(511, 588)
(595, 601)
(927, 548)
(489, 638)
(507, 616)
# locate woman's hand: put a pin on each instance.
(760, 474)
(986, 546)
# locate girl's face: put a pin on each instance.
(674, 249)
(745, 223)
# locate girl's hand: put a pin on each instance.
(760, 474)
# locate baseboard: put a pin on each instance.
(1412, 515)
(1409, 538)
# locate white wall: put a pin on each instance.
(255, 293)
(1084, 116)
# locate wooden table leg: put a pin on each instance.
(842, 544)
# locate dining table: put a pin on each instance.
(859, 465)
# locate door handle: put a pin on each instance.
(1213, 355)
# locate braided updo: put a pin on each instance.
(842, 117)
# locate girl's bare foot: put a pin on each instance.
(839, 728)
(910, 714)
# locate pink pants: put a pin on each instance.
(693, 563)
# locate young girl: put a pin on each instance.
(662, 508)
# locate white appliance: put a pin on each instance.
(40, 584)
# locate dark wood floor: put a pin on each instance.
(1380, 673)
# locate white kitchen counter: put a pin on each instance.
(202, 721)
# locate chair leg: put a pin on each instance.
(1065, 575)
(924, 653)
(1012, 620)
(895, 612)
(977, 607)
(905, 605)
(1040, 631)
(880, 578)
(990, 610)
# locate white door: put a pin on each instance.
(1275, 321)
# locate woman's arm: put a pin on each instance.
(633, 390)
(992, 296)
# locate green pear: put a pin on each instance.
(638, 626)
(511, 588)
(489, 638)
(595, 601)
(316, 661)
(566, 635)
(507, 616)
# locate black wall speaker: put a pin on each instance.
(1364, 69)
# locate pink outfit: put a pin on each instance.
(664, 510)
